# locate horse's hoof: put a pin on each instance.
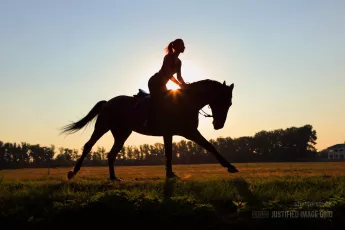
(115, 179)
(70, 175)
(232, 169)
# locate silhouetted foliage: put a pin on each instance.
(291, 144)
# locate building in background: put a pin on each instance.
(336, 152)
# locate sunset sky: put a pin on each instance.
(59, 58)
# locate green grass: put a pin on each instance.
(206, 197)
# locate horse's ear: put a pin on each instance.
(224, 83)
(232, 86)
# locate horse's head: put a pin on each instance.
(221, 104)
(213, 93)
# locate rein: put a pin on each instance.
(205, 114)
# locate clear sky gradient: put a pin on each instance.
(58, 58)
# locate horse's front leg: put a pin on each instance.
(168, 155)
(200, 140)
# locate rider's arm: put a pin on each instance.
(179, 76)
(173, 79)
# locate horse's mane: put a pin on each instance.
(205, 82)
(198, 85)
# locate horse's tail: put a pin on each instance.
(76, 126)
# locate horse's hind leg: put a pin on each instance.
(101, 128)
(120, 136)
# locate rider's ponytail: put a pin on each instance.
(169, 48)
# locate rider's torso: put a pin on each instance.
(162, 75)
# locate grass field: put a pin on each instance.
(206, 197)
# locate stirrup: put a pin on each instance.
(146, 123)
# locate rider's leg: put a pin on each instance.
(156, 105)
(154, 94)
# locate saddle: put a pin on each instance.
(141, 94)
(144, 98)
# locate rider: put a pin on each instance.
(171, 65)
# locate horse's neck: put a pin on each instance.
(203, 96)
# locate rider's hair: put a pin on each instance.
(170, 47)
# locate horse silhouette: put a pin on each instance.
(179, 112)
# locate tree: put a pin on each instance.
(102, 152)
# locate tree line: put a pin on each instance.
(290, 144)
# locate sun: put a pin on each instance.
(171, 85)
(190, 71)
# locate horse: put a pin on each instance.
(124, 114)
